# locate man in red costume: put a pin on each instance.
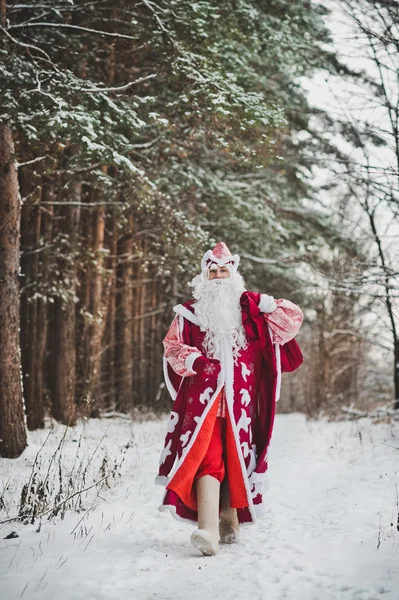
(224, 354)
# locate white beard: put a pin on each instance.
(219, 312)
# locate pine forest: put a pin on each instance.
(148, 148)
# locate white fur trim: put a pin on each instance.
(227, 354)
(172, 509)
(169, 385)
(208, 254)
(179, 309)
(190, 361)
(278, 364)
(161, 480)
(267, 303)
(278, 361)
(234, 258)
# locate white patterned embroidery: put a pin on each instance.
(173, 420)
(210, 368)
(244, 421)
(206, 396)
(245, 449)
(285, 321)
(244, 371)
(245, 397)
(185, 437)
(176, 352)
(256, 489)
(251, 452)
(165, 453)
(252, 462)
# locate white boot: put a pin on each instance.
(228, 525)
(206, 537)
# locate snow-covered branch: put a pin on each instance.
(30, 162)
(75, 28)
(118, 88)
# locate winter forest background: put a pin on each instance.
(135, 135)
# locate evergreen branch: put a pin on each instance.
(30, 162)
(258, 259)
(287, 261)
(28, 46)
(75, 171)
(117, 88)
(146, 144)
(76, 28)
(82, 204)
(149, 5)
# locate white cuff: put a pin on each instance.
(267, 303)
(188, 363)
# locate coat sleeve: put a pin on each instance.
(179, 355)
(285, 320)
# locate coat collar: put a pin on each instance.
(187, 311)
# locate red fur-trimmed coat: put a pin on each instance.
(251, 384)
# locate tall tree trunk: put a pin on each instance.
(97, 311)
(123, 323)
(12, 425)
(108, 376)
(151, 370)
(142, 362)
(64, 340)
(396, 372)
(64, 362)
(83, 313)
(44, 360)
(321, 377)
(30, 310)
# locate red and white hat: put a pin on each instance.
(221, 256)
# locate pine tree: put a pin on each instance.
(12, 426)
(170, 124)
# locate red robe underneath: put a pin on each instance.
(251, 384)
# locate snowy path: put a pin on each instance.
(332, 495)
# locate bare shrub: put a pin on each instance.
(65, 480)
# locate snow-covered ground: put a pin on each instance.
(329, 532)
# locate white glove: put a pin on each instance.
(267, 303)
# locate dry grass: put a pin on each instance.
(62, 480)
